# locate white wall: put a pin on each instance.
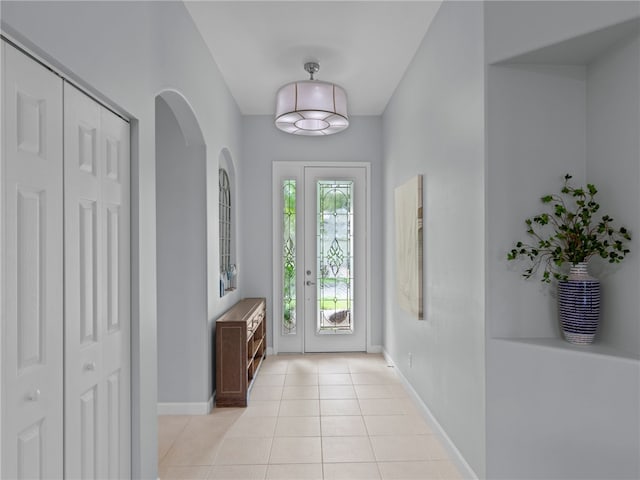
(613, 145)
(434, 125)
(264, 144)
(555, 410)
(560, 413)
(536, 131)
(127, 53)
(181, 222)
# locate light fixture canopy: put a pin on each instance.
(311, 107)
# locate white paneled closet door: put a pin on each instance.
(31, 273)
(97, 356)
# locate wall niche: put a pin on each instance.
(571, 107)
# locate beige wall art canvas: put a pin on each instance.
(408, 213)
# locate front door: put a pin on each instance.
(321, 285)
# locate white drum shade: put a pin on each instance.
(311, 107)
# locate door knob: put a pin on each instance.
(34, 396)
(90, 366)
(309, 283)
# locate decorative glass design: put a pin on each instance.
(289, 257)
(335, 256)
(224, 205)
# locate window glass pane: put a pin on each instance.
(335, 256)
(289, 257)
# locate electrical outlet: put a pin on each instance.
(410, 360)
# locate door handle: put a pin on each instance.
(35, 396)
(309, 283)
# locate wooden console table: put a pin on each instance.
(241, 345)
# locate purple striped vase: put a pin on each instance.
(579, 305)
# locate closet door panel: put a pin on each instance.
(97, 290)
(32, 269)
(115, 316)
(83, 286)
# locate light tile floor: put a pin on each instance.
(320, 416)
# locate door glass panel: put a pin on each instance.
(335, 256)
(289, 258)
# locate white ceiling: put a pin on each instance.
(364, 46)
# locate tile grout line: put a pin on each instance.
(375, 458)
(321, 437)
(173, 442)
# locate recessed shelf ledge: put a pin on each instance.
(559, 344)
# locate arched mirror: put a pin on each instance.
(226, 225)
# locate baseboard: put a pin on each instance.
(269, 350)
(456, 456)
(374, 349)
(186, 408)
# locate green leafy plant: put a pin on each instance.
(570, 233)
(289, 314)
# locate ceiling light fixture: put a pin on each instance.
(311, 107)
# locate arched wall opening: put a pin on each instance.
(181, 236)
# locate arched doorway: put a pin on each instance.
(181, 235)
